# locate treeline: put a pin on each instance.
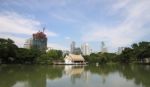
(12, 54)
(137, 53)
(101, 58)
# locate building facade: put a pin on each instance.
(120, 49)
(103, 47)
(85, 49)
(28, 43)
(74, 59)
(77, 51)
(39, 41)
(72, 47)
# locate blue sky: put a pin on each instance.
(118, 23)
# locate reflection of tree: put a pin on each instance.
(139, 73)
(55, 72)
(102, 70)
(9, 77)
(34, 75)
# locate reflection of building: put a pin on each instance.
(85, 49)
(120, 49)
(74, 70)
(103, 47)
(74, 59)
(28, 43)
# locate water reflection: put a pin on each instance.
(73, 76)
(28, 76)
(75, 72)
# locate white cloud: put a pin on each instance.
(35, 4)
(131, 29)
(57, 46)
(67, 38)
(68, 15)
(120, 4)
(50, 34)
(63, 17)
(18, 40)
(13, 24)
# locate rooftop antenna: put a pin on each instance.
(43, 29)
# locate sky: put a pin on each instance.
(119, 23)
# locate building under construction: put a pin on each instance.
(39, 40)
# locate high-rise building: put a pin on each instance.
(103, 47)
(77, 51)
(28, 43)
(72, 47)
(85, 49)
(120, 49)
(40, 41)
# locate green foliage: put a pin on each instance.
(126, 55)
(43, 59)
(100, 57)
(7, 50)
(27, 55)
(54, 54)
(50, 56)
(10, 53)
(137, 52)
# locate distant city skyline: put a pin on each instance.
(119, 23)
(85, 48)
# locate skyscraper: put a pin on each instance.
(40, 41)
(120, 49)
(28, 43)
(85, 49)
(72, 47)
(77, 51)
(103, 47)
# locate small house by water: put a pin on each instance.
(74, 59)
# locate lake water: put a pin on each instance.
(75, 76)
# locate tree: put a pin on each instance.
(126, 55)
(27, 55)
(55, 54)
(7, 50)
(50, 56)
(138, 51)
